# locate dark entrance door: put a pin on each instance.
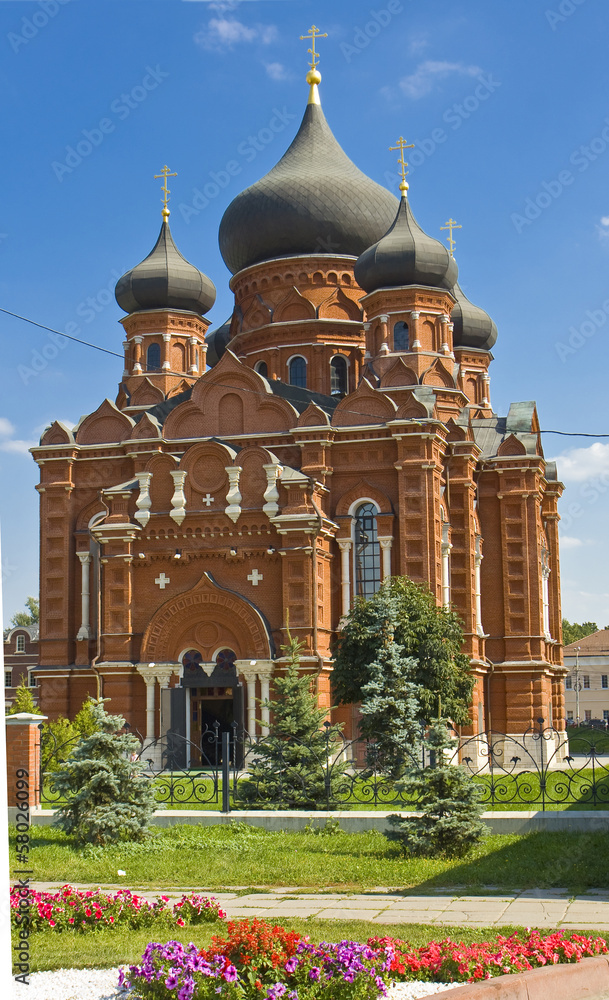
(215, 703)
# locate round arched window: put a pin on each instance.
(400, 336)
(191, 660)
(225, 659)
(262, 369)
(338, 376)
(367, 551)
(153, 358)
(298, 372)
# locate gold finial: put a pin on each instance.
(402, 145)
(165, 173)
(313, 76)
(450, 225)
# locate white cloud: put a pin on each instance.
(10, 443)
(579, 464)
(568, 542)
(428, 73)
(418, 43)
(223, 33)
(276, 71)
(603, 228)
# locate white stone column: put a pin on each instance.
(265, 671)
(545, 591)
(477, 563)
(446, 547)
(247, 669)
(178, 500)
(344, 545)
(147, 672)
(84, 631)
(386, 544)
(233, 497)
(143, 502)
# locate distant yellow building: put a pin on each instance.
(587, 683)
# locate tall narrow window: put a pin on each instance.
(400, 336)
(153, 358)
(262, 369)
(298, 372)
(20, 647)
(569, 683)
(338, 376)
(367, 551)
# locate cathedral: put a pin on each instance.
(335, 431)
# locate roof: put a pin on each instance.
(405, 255)
(590, 645)
(32, 630)
(165, 280)
(490, 432)
(314, 201)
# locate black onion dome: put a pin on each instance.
(217, 341)
(472, 326)
(165, 280)
(405, 255)
(315, 200)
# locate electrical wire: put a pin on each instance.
(256, 392)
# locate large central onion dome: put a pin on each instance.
(315, 200)
(405, 256)
(165, 280)
(472, 326)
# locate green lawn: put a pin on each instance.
(216, 857)
(581, 738)
(107, 949)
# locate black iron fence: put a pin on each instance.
(223, 771)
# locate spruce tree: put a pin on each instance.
(448, 799)
(389, 704)
(107, 797)
(293, 767)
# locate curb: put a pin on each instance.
(586, 979)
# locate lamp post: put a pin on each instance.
(577, 685)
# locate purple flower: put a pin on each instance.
(291, 965)
(172, 979)
(230, 974)
(315, 973)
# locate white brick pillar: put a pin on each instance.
(247, 669)
(344, 545)
(84, 631)
(386, 544)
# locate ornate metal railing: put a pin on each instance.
(224, 770)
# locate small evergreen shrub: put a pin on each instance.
(107, 798)
(448, 800)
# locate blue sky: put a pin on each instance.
(507, 105)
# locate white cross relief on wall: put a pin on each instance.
(208, 500)
(255, 577)
(162, 581)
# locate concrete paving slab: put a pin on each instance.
(338, 913)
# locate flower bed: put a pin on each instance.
(450, 961)
(259, 962)
(72, 909)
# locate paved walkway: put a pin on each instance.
(534, 908)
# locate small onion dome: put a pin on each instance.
(315, 200)
(472, 326)
(405, 256)
(216, 341)
(165, 280)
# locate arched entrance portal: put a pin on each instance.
(213, 702)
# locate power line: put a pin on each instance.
(114, 354)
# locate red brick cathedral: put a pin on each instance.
(335, 431)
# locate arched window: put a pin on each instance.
(225, 659)
(367, 551)
(153, 358)
(262, 368)
(338, 376)
(298, 372)
(400, 336)
(191, 660)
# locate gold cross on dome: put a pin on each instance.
(450, 225)
(401, 144)
(313, 33)
(165, 173)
